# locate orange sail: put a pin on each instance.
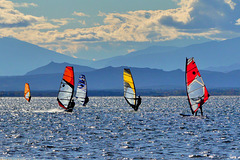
(27, 94)
(66, 89)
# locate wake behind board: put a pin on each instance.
(187, 115)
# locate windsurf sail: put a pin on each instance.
(27, 94)
(129, 90)
(196, 90)
(66, 89)
(81, 93)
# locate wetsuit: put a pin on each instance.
(70, 106)
(86, 101)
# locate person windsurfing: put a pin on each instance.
(139, 101)
(86, 101)
(200, 107)
(70, 106)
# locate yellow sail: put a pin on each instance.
(129, 87)
(27, 94)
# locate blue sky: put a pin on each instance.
(98, 29)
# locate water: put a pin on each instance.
(109, 129)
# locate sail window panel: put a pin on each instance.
(194, 107)
(200, 80)
(130, 95)
(27, 94)
(65, 93)
(195, 85)
(197, 95)
(65, 87)
(195, 90)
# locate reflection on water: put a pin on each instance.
(107, 128)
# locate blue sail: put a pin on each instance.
(81, 93)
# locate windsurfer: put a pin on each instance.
(70, 106)
(139, 101)
(200, 110)
(86, 101)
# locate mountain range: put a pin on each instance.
(213, 55)
(48, 78)
(19, 58)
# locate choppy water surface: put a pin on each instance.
(109, 129)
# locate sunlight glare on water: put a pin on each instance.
(107, 128)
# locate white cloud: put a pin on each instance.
(25, 5)
(131, 50)
(12, 18)
(238, 22)
(82, 22)
(80, 14)
(62, 21)
(212, 19)
(231, 4)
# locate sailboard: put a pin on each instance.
(130, 90)
(66, 90)
(81, 93)
(196, 90)
(27, 94)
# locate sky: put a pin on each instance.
(99, 29)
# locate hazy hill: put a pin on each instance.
(18, 57)
(53, 67)
(229, 68)
(111, 78)
(209, 54)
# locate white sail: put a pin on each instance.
(81, 93)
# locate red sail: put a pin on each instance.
(68, 75)
(66, 89)
(196, 89)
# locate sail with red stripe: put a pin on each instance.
(196, 90)
(66, 89)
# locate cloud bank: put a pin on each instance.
(211, 19)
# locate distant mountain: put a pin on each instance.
(209, 54)
(229, 68)
(18, 57)
(53, 68)
(111, 78)
(141, 58)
